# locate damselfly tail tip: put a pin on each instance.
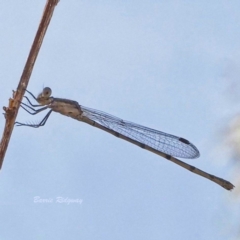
(229, 186)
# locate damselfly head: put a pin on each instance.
(44, 97)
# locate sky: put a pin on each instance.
(168, 65)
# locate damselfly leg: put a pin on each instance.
(34, 112)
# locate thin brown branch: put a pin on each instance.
(14, 102)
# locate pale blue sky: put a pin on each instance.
(163, 64)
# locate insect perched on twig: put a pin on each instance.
(163, 144)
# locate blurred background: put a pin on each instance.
(168, 65)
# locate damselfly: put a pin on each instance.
(163, 144)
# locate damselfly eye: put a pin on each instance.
(47, 92)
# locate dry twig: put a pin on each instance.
(14, 102)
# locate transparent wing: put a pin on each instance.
(163, 142)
